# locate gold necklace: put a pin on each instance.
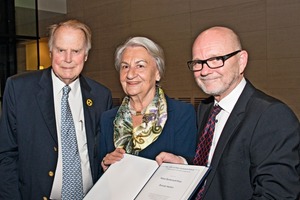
(137, 113)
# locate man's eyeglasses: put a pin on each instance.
(212, 63)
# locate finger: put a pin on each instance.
(120, 150)
(104, 163)
(160, 158)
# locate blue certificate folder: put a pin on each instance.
(137, 178)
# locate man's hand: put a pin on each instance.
(169, 158)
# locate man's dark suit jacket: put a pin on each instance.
(28, 137)
(257, 156)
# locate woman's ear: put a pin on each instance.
(157, 78)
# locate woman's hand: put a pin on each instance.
(169, 158)
(112, 157)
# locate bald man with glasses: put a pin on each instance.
(251, 143)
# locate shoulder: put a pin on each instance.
(260, 105)
(29, 82)
(93, 84)
(177, 105)
(24, 77)
(262, 101)
(110, 113)
(180, 109)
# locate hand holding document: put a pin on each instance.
(143, 179)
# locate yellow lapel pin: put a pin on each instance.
(89, 102)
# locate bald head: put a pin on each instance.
(222, 38)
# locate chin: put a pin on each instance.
(132, 94)
(211, 91)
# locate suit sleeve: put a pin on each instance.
(8, 146)
(275, 162)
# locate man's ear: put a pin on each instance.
(243, 60)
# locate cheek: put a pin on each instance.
(122, 76)
(149, 76)
(56, 59)
(196, 75)
(79, 59)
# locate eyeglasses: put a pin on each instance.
(212, 63)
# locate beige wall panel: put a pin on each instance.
(75, 5)
(177, 53)
(284, 73)
(241, 17)
(113, 14)
(110, 37)
(197, 5)
(90, 4)
(79, 15)
(283, 13)
(148, 9)
(176, 95)
(255, 43)
(256, 72)
(198, 93)
(107, 78)
(178, 81)
(100, 60)
(166, 28)
(284, 43)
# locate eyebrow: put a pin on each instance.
(57, 47)
(137, 62)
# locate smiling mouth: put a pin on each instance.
(132, 83)
(209, 78)
(67, 68)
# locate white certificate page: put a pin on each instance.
(124, 179)
(173, 182)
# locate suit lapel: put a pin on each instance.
(88, 101)
(236, 117)
(46, 102)
(203, 113)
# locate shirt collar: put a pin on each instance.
(228, 102)
(58, 84)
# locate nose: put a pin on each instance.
(131, 73)
(68, 57)
(205, 69)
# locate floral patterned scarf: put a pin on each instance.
(133, 140)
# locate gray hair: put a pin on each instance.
(153, 49)
(75, 24)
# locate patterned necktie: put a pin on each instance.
(71, 178)
(204, 144)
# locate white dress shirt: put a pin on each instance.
(76, 105)
(227, 104)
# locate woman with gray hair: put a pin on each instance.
(147, 122)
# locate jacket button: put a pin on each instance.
(51, 173)
(45, 198)
(55, 148)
